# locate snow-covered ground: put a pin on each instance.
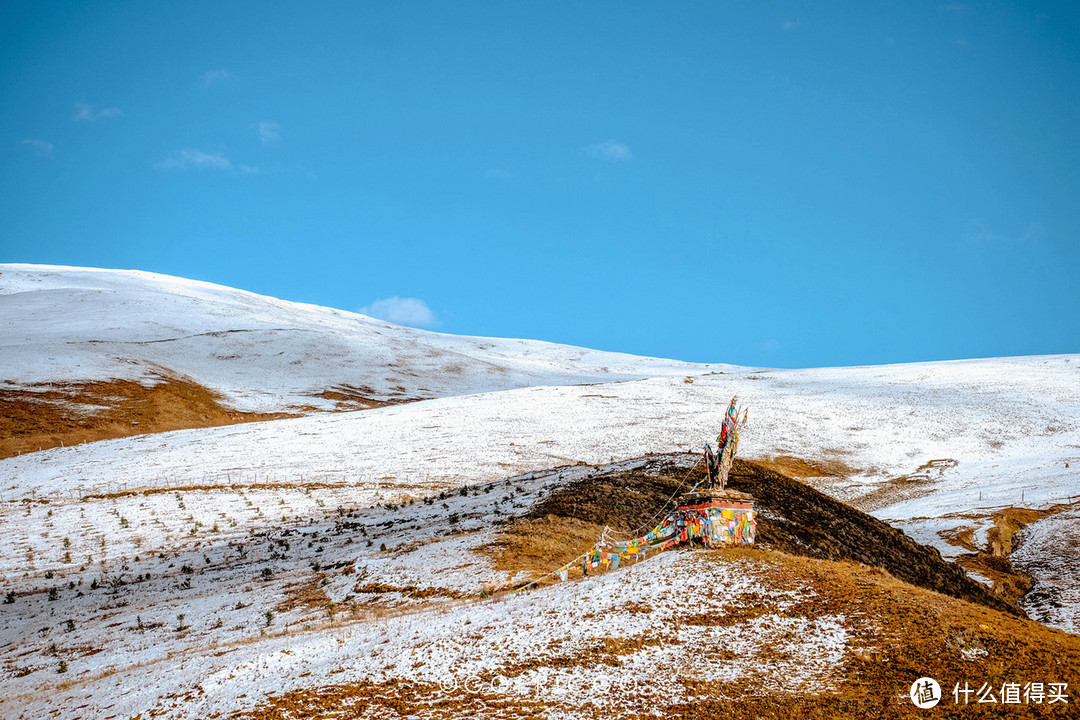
(63, 325)
(221, 618)
(927, 446)
(1049, 551)
(1008, 427)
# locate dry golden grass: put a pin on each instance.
(46, 416)
(802, 468)
(992, 561)
(359, 397)
(307, 594)
(410, 591)
(536, 545)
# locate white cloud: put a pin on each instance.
(84, 112)
(214, 77)
(39, 147)
(611, 150)
(191, 158)
(792, 24)
(978, 234)
(269, 132)
(403, 311)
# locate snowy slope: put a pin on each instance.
(1007, 426)
(1009, 429)
(64, 324)
(927, 446)
(185, 633)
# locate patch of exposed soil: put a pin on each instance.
(39, 417)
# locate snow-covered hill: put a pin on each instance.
(166, 521)
(63, 325)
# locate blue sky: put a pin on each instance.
(764, 183)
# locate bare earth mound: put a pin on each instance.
(792, 517)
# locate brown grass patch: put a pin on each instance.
(308, 594)
(962, 536)
(359, 397)
(534, 545)
(802, 468)
(410, 591)
(992, 561)
(43, 416)
(568, 522)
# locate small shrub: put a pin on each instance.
(63, 667)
